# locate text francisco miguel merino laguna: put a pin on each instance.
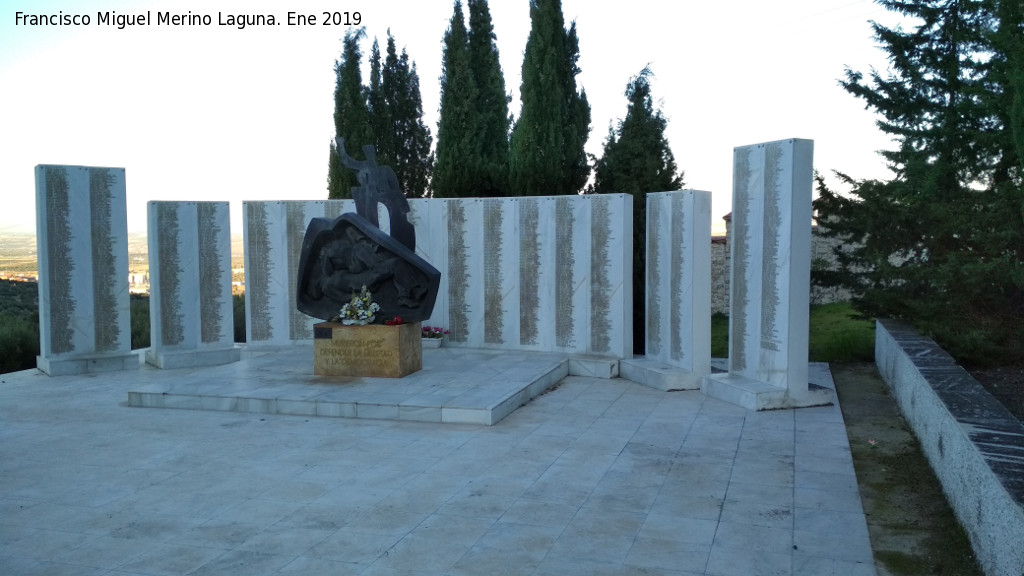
(240, 21)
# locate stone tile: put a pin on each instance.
(306, 565)
(501, 561)
(353, 547)
(733, 561)
(45, 568)
(226, 535)
(526, 539)
(749, 491)
(667, 553)
(751, 538)
(421, 555)
(679, 529)
(324, 516)
(285, 540)
(169, 560)
(768, 471)
(40, 544)
(673, 505)
(556, 565)
(106, 552)
(758, 514)
(461, 529)
(382, 520)
(242, 563)
(539, 513)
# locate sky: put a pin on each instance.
(221, 113)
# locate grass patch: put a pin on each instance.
(836, 336)
(719, 335)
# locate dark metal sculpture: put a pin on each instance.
(339, 257)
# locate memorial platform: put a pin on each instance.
(456, 385)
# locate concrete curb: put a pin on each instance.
(975, 446)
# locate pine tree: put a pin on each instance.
(490, 118)
(547, 147)
(940, 244)
(455, 128)
(351, 117)
(636, 160)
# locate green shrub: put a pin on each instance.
(19, 343)
(238, 300)
(140, 321)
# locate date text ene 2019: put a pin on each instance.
(327, 19)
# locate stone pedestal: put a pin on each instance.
(370, 351)
(82, 240)
(769, 316)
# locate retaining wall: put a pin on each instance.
(975, 445)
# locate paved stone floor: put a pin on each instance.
(593, 477)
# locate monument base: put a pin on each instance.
(170, 359)
(88, 364)
(659, 375)
(756, 395)
(369, 351)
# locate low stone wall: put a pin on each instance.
(975, 446)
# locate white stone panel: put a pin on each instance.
(678, 296)
(273, 233)
(82, 242)
(771, 263)
(191, 310)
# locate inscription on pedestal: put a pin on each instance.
(367, 351)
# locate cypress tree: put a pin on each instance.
(408, 139)
(351, 116)
(941, 244)
(636, 160)
(456, 137)
(380, 114)
(547, 146)
(490, 118)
